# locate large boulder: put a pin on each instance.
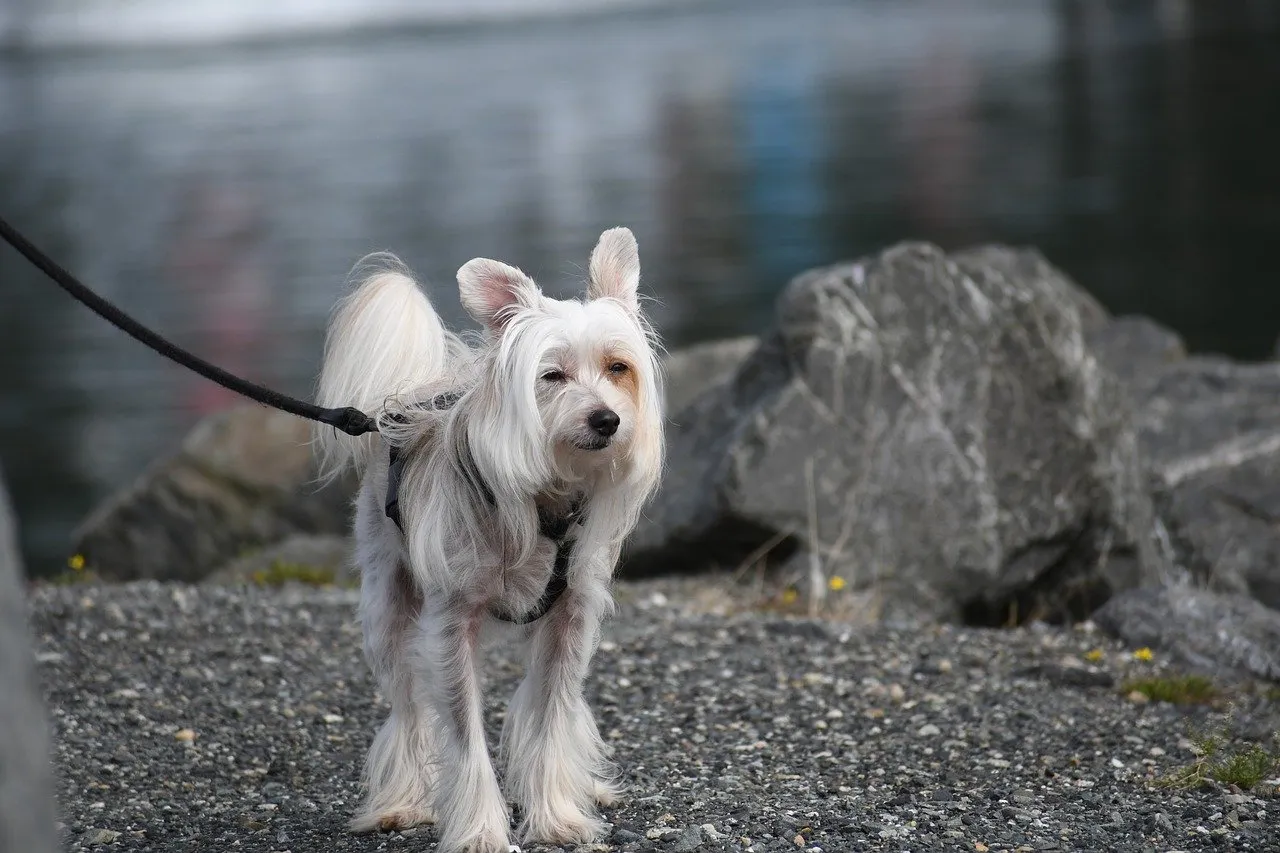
(242, 479)
(309, 558)
(932, 427)
(1214, 633)
(1136, 350)
(1210, 429)
(692, 371)
(27, 809)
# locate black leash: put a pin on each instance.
(350, 420)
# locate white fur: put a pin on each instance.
(528, 387)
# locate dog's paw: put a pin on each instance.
(392, 820)
(491, 841)
(607, 794)
(546, 827)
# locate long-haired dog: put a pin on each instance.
(504, 477)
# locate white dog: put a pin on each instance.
(504, 477)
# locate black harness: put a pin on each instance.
(552, 526)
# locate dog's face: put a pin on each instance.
(581, 374)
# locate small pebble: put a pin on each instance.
(688, 840)
(102, 836)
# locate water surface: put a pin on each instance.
(222, 194)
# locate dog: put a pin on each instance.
(508, 468)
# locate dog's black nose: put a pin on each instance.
(604, 421)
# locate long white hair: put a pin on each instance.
(388, 354)
(385, 346)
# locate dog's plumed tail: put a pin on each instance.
(385, 343)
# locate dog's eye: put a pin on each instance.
(619, 367)
(554, 376)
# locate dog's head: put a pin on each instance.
(574, 382)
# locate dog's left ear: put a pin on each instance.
(491, 290)
(615, 268)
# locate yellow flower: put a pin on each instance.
(76, 562)
(1093, 655)
(1143, 653)
(836, 583)
(789, 595)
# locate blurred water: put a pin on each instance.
(222, 194)
(96, 24)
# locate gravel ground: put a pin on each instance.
(214, 719)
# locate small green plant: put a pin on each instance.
(1174, 689)
(1243, 765)
(72, 578)
(280, 573)
(1245, 768)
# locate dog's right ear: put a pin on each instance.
(490, 291)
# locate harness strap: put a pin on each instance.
(554, 527)
(556, 586)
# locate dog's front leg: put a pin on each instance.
(555, 759)
(470, 809)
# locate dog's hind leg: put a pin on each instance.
(400, 767)
(555, 759)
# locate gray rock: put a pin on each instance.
(1136, 350)
(693, 371)
(1093, 316)
(1211, 430)
(1204, 630)
(323, 554)
(243, 479)
(1197, 405)
(940, 423)
(27, 813)
(102, 837)
(688, 840)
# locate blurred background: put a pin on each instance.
(217, 166)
